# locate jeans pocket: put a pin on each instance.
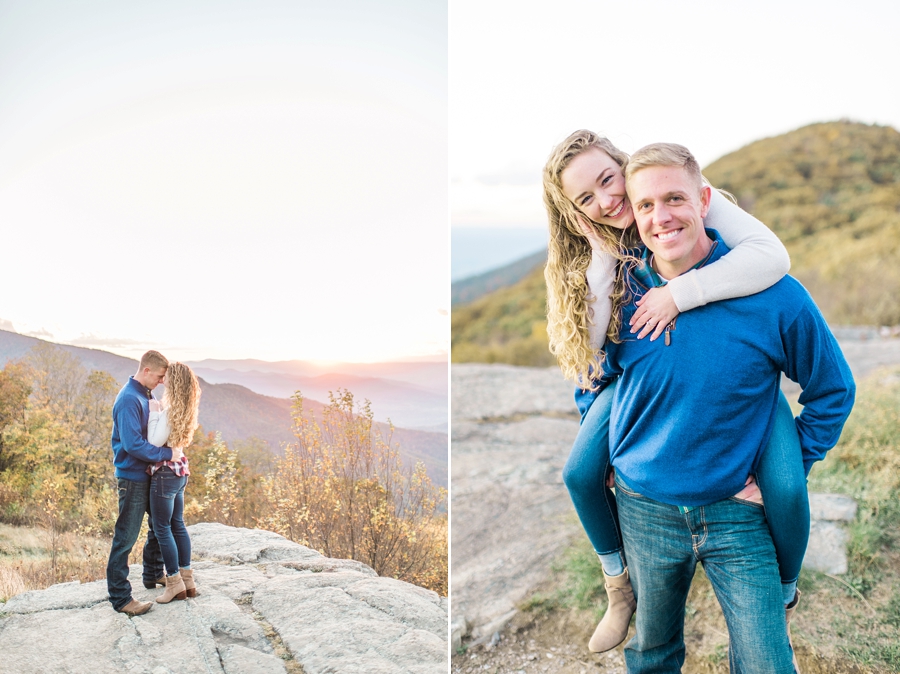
(620, 487)
(165, 486)
(760, 506)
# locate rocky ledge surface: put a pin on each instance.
(265, 605)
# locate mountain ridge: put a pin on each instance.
(240, 413)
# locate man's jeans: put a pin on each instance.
(134, 503)
(730, 538)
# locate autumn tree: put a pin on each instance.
(57, 422)
(57, 379)
(14, 392)
(341, 488)
(215, 493)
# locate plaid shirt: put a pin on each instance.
(178, 467)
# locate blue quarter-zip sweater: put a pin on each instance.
(131, 451)
(690, 419)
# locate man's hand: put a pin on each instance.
(750, 492)
(177, 453)
(611, 478)
(655, 311)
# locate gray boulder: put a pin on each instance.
(263, 600)
(827, 549)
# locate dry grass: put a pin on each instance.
(26, 560)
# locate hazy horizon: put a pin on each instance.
(427, 358)
(249, 179)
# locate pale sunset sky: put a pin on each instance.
(252, 179)
(713, 76)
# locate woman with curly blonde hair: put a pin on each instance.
(173, 423)
(591, 237)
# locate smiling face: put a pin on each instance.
(669, 207)
(595, 183)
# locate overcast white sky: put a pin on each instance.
(713, 76)
(257, 178)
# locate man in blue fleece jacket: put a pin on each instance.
(691, 414)
(131, 456)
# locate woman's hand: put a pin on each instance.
(154, 405)
(655, 311)
(597, 243)
(177, 453)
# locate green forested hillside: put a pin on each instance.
(507, 326)
(830, 191)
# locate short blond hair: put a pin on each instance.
(154, 360)
(665, 154)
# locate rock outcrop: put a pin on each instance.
(265, 605)
(827, 549)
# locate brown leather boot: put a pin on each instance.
(187, 575)
(613, 628)
(788, 614)
(135, 607)
(174, 589)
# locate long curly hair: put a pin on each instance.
(568, 257)
(182, 399)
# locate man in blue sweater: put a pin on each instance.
(131, 456)
(691, 415)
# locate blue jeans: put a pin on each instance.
(780, 476)
(134, 502)
(782, 481)
(730, 538)
(585, 476)
(167, 510)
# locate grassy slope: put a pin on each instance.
(507, 326)
(831, 192)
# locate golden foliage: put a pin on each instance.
(341, 489)
(215, 492)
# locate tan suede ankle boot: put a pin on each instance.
(174, 589)
(613, 628)
(187, 575)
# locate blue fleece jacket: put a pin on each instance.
(131, 451)
(690, 419)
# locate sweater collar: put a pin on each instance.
(646, 274)
(144, 391)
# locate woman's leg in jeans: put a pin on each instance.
(163, 488)
(782, 481)
(179, 531)
(585, 477)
